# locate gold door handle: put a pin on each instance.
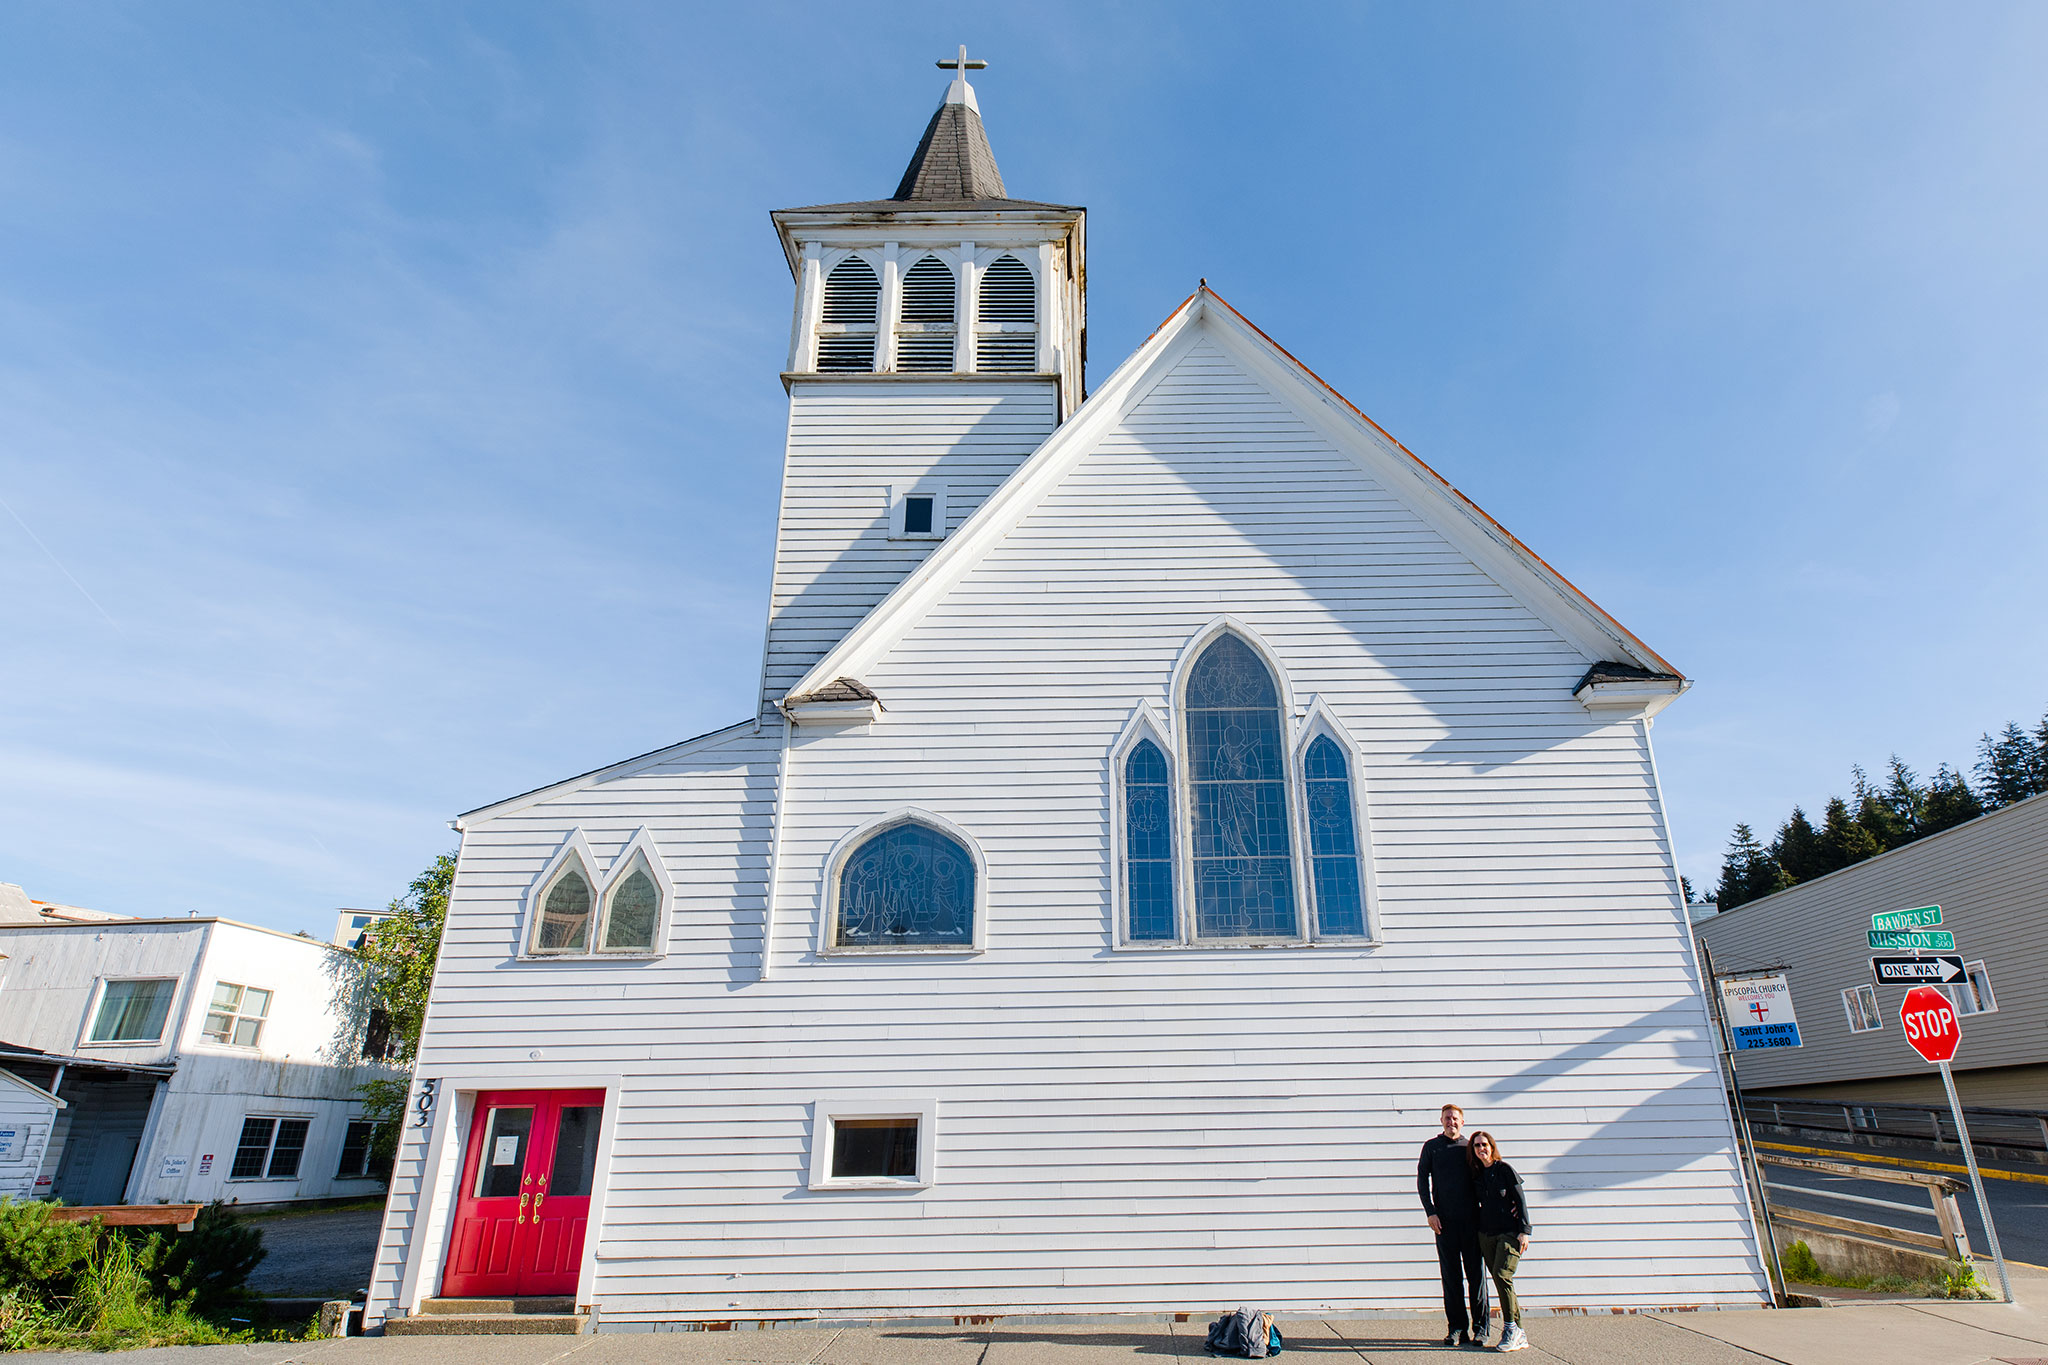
(536, 1206)
(522, 1210)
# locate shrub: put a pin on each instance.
(202, 1270)
(1800, 1265)
(41, 1260)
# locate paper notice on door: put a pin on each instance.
(506, 1152)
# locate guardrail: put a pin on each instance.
(2019, 1129)
(1941, 1194)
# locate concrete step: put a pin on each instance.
(528, 1304)
(487, 1325)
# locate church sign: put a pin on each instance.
(1759, 1013)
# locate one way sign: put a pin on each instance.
(1916, 971)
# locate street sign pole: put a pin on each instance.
(1744, 1140)
(1955, 1105)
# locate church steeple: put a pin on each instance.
(953, 162)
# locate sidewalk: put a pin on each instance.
(1874, 1334)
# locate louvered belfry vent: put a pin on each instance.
(925, 336)
(846, 329)
(1006, 331)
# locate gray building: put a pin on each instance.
(1990, 878)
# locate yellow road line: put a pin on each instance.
(1872, 1158)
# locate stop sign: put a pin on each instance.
(1929, 1021)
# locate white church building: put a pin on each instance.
(1160, 801)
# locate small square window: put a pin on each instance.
(236, 1014)
(917, 513)
(1972, 994)
(875, 1144)
(269, 1148)
(1860, 1004)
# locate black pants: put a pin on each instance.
(1466, 1302)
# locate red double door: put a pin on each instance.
(523, 1207)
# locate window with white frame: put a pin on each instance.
(927, 327)
(566, 903)
(908, 885)
(1972, 994)
(632, 910)
(132, 1010)
(847, 317)
(270, 1148)
(918, 512)
(874, 1144)
(362, 1155)
(1860, 1004)
(1148, 846)
(1241, 849)
(575, 912)
(1006, 320)
(235, 1015)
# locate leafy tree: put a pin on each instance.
(2010, 768)
(1844, 840)
(399, 954)
(1797, 848)
(1949, 801)
(1748, 872)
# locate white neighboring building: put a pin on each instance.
(199, 1059)
(1157, 807)
(27, 1114)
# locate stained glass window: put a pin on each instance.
(565, 914)
(635, 905)
(908, 887)
(1148, 844)
(1333, 840)
(1237, 784)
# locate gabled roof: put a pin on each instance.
(1518, 570)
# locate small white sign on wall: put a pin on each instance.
(10, 1144)
(173, 1167)
(505, 1152)
(206, 1163)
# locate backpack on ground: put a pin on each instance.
(1248, 1333)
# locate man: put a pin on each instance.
(1443, 1177)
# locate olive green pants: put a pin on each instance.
(1500, 1256)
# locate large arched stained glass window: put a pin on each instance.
(1333, 841)
(564, 925)
(909, 886)
(1237, 785)
(1148, 844)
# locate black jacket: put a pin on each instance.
(1443, 1177)
(1503, 1211)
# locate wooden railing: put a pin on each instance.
(1941, 1195)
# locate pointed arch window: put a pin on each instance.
(1241, 846)
(926, 331)
(563, 924)
(1148, 846)
(1333, 840)
(1006, 321)
(632, 909)
(846, 327)
(908, 885)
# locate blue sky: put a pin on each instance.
(389, 419)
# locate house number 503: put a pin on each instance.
(423, 1103)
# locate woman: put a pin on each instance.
(1503, 1230)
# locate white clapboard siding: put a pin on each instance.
(849, 444)
(1129, 1130)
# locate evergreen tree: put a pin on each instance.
(1842, 839)
(2009, 768)
(1872, 812)
(1685, 889)
(1906, 801)
(1949, 801)
(1797, 848)
(1748, 872)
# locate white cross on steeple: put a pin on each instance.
(960, 92)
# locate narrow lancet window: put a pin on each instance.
(924, 337)
(1237, 784)
(1148, 845)
(910, 886)
(632, 910)
(1006, 334)
(846, 327)
(1333, 841)
(565, 913)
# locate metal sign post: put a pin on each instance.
(1929, 1022)
(1744, 1140)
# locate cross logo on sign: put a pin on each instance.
(1759, 1009)
(1929, 1023)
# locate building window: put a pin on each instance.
(909, 886)
(1243, 858)
(269, 1149)
(632, 909)
(563, 925)
(925, 334)
(1333, 841)
(378, 1044)
(846, 331)
(236, 1015)
(876, 1144)
(1860, 1003)
(1863, 1116)
(360, 1156)
(1006, 332)
(132, 1011)
(1148, 846)
(1973, 993)
(917, 513)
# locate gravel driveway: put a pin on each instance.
(320, 1253)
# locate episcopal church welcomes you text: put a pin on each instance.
(1159, 801)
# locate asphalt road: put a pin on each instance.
(2020, 1208)
(316, 1254)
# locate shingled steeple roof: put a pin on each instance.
(953, 162)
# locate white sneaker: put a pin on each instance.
(1511, 1338)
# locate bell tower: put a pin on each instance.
(938, 337)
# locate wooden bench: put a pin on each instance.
(179, 1216)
